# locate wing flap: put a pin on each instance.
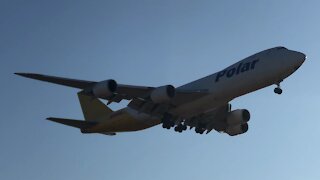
(149, 107)
(134, 91)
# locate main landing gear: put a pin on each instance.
(278, 90)
(199, 130)
(167, 121)
(181, 127)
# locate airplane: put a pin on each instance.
(203, 104)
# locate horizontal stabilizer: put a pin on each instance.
(73, 123)
(81, 84)
(78, 124)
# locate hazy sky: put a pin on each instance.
(155, 43)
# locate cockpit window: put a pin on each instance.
(279, 48)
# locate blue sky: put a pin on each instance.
(155, 43)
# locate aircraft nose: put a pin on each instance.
(302, 57)
(299, 59)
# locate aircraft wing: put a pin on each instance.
(127, 92)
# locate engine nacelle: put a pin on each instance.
(163, 94)
(237, 129)
(239, 116)
(104, 89)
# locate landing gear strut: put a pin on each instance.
(278, 90)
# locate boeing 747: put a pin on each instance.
(202, 104)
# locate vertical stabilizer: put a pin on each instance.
(93, 109)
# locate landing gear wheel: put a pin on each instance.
(179, 128)
(165, 126)
(171, 123)
(199, 130)
(278, 90)
(184, 127)
(167, 121)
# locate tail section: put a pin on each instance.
(93, 109)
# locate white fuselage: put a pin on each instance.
(252, 73)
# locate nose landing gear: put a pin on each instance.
(278, 90)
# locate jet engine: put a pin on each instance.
(237, 129)
(104, 89)
(237, 122)
(163, 94)
(239, 116)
